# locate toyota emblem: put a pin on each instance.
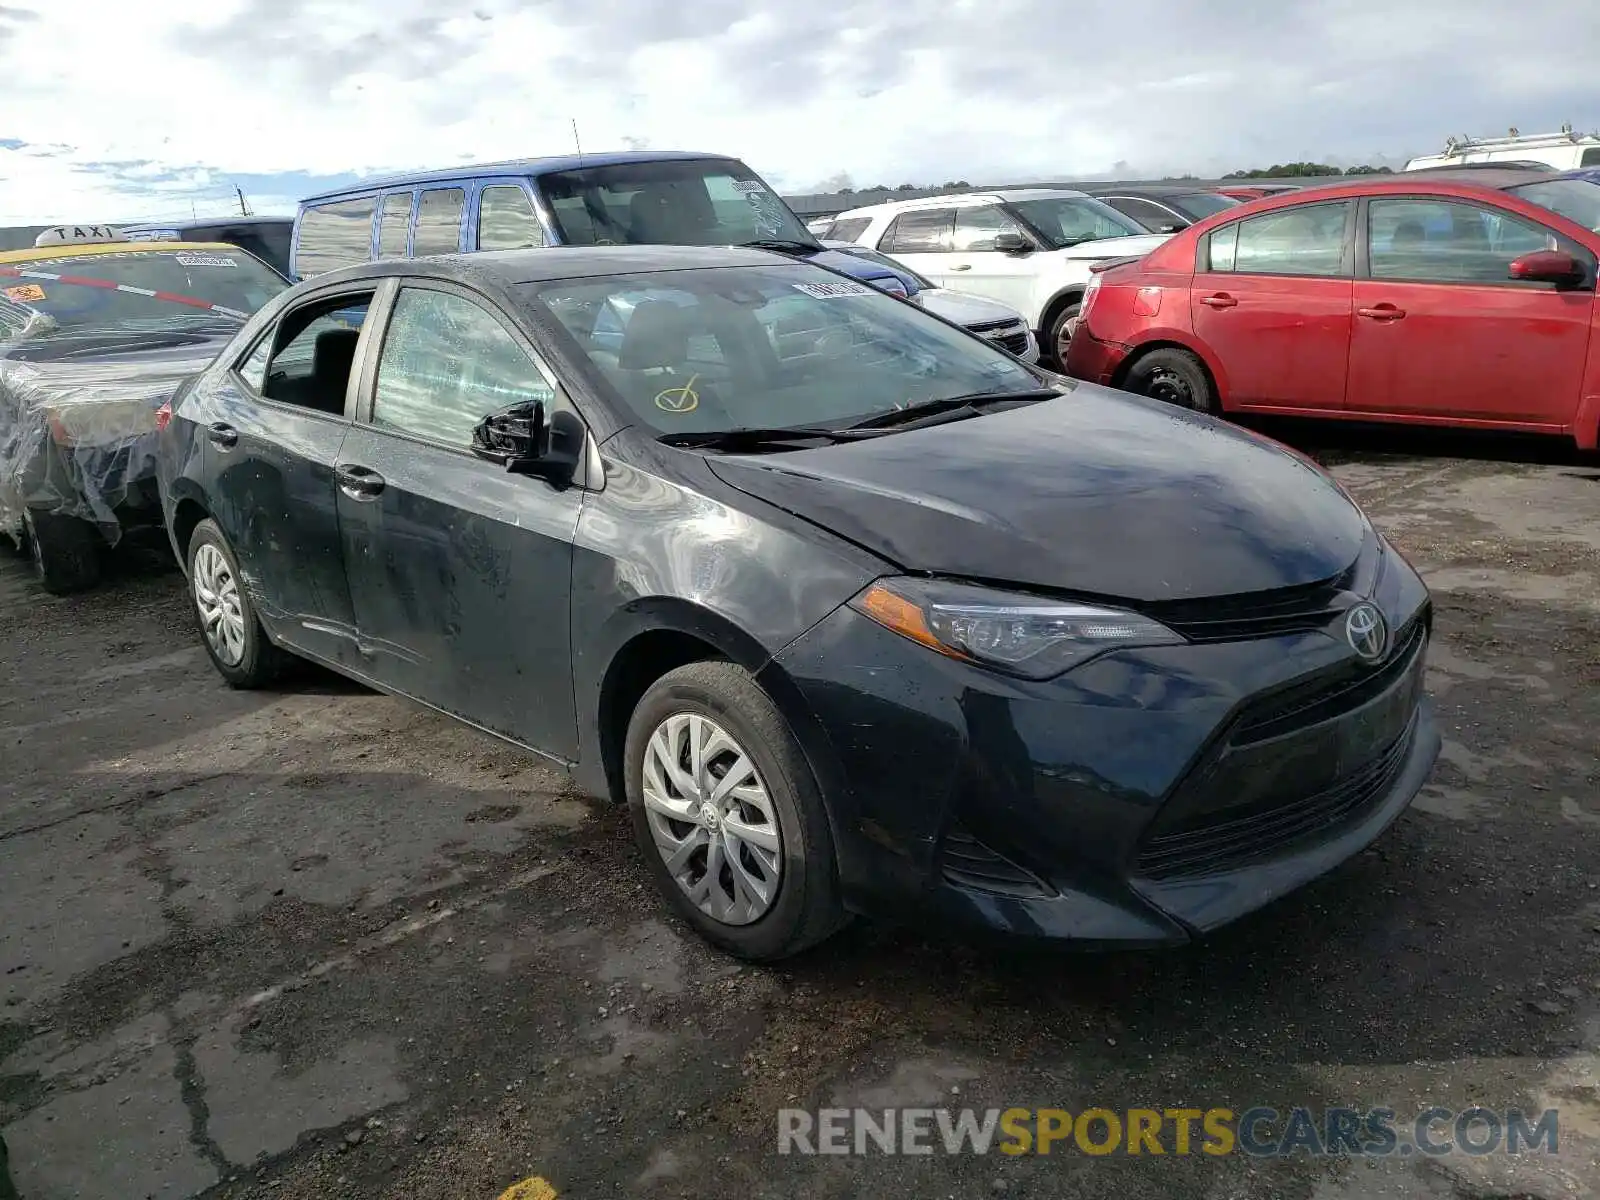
(1365, 630)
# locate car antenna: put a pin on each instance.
(576, 142)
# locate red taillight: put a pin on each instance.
(164, 416)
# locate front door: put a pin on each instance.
(274, 432)
(1442, 330)
(975, 266)
(1271, 297)
(459, 571)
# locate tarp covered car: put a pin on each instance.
(96, 333)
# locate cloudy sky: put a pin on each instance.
(108, 115)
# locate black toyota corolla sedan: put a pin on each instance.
(858, 613)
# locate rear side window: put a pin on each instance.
(928, 232)
(335, 235)
(1308, 240)
(506, 220)
(847, 229)
(393, 224)
(439, 222)
(447, 364)
(312, 352)
(1152, 216)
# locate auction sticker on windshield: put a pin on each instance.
(827, 291)
(205, 260)
(25, 293)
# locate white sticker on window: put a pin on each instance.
(827, 291)
(748, 185)
(205, 260)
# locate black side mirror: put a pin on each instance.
(527, 439)
(1012, 242)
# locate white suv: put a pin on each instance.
(1030, 248)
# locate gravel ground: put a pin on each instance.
(319, 943)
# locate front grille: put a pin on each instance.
(1331, 693)
(987, 327)
(1014, 343)
(1226, 839)
(969, 863)
(1260, 614)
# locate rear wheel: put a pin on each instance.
(1173, 375)
(228, 624)
(1061, 333)
(728, 815)
(65, 551)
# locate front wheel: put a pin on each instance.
(728, 815)
(65, 551)
(1061, 334)
(1175, 376)
(228, 624)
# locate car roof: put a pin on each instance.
(513, 166)
(1154, 190)
(961, 199)
(204, 223)
(76, 250)
(1458, 183)
(549, 263)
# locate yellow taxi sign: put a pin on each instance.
(78, 235)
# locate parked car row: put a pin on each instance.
(770, 541)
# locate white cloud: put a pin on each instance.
(918, 90)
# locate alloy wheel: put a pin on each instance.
(712, 819)
(216, 596)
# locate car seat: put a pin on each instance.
(333, 355)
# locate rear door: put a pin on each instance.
(440, 213)
(273, 431)
(1441, 328)
(459, 572)
(974, 265)
(1271, 297)
(922, 239)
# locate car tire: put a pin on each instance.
(1173, 375)
(785, 897)
(224, 615)
(1059, 337)
(65, 551)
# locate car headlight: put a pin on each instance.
(1029, 636)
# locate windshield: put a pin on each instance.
(711, 202)
(1201, 204)
(1577, 200)
(767, 347)
(133, 289)
(1068, 220)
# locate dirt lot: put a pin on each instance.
(318, 943)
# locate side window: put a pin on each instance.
(334, 235)
(253, 370)
(1221, 248)
(927, 232)
(847, 229)
(1308, 240)
(506, 220)
(447, 364)
(1438, 241)
(438, 222)
(1151, 216)
(977, 227)
(1590, 158)
(313, 351)
(393, 224)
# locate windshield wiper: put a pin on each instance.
(751, 438)
(784, 245)
(948, 406)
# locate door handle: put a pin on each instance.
(222, 435)
(1220, 300)
(357, 482)
(1381, 312)
(961, 266)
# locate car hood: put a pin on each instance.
(963, 308)
(1120, 247)
(1097, 493)
(851, 264)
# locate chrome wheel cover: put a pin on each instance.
(216, 597)
(712, 819)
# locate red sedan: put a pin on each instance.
(1464, 299)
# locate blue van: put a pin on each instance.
(648, 197)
